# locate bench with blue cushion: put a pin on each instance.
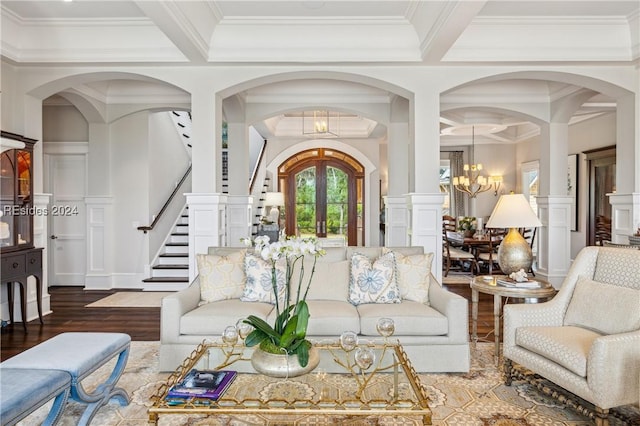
(24, 391)
(78, 355)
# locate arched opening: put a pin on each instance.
(324, 196)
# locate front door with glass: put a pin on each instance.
(323, 198)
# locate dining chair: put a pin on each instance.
(529, 234)
(452, 255)
(488, 253)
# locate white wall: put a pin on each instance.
(130, 191)
(590, 134)
(168, 160)
(64, 123)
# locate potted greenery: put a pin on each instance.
(467, 225)
(286, 338)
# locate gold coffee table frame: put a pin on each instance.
(391, 363)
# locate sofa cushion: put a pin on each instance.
(259, 285)
(371, 252)
(407, 251)
(212, 318)
(373, 282)
(225, 251)
(414, 276)
(329, 318)
(221, 277)
(333, 254)
(604, 308)
(410, 318)
(567, 346)
(330, 280)
(614, 266)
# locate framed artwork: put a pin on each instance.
(572, 189)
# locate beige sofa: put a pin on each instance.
(435, 336)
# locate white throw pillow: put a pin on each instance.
(259, 286)
(373, 283)
(414, 276)
(605, 308)
(221, 277)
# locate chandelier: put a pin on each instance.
(320, 124)
(473, 182)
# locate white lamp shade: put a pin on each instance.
(513, 211)
(274, 199)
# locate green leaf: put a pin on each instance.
(303, 353)
(260, 324)
(303, 319)
(281, 320)
(289, 333)
(254, 338)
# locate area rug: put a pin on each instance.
(475, 398)
(131, 299)
(464, 279)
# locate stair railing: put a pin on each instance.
(148, 228)
(252, 181)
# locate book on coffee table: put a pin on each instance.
(508, 282)
(202, 384)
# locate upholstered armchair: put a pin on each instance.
(586, 339)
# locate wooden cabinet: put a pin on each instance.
(17, 267)
(19, 259)
(16, 195)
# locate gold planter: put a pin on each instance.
(282, 365)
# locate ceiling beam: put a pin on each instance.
(439, 24)
(177, 20)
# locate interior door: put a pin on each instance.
(67, 222)
(602, 181)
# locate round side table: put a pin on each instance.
(489, 284)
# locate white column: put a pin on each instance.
(207, 225)
(554, 241)
(625, 203)
(625, 212)
(425, 158)
(396, 225)
(40, 239)
(238, 219)
(238, 159)
(425, 226)
(206, 115)
(398, 159)
(554, 206)
(99, 273)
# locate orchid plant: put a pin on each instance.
(288, 333)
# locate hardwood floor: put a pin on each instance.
(69, 314)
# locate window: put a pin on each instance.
(448, 206)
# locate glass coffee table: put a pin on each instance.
(340, 387)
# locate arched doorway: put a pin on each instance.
(324, 195)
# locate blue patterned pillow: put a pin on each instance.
(259, 287)
(373, 283)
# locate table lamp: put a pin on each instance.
(275, 200)
(513, 211)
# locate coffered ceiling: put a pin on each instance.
(427, 33)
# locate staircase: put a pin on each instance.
(171, 271)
